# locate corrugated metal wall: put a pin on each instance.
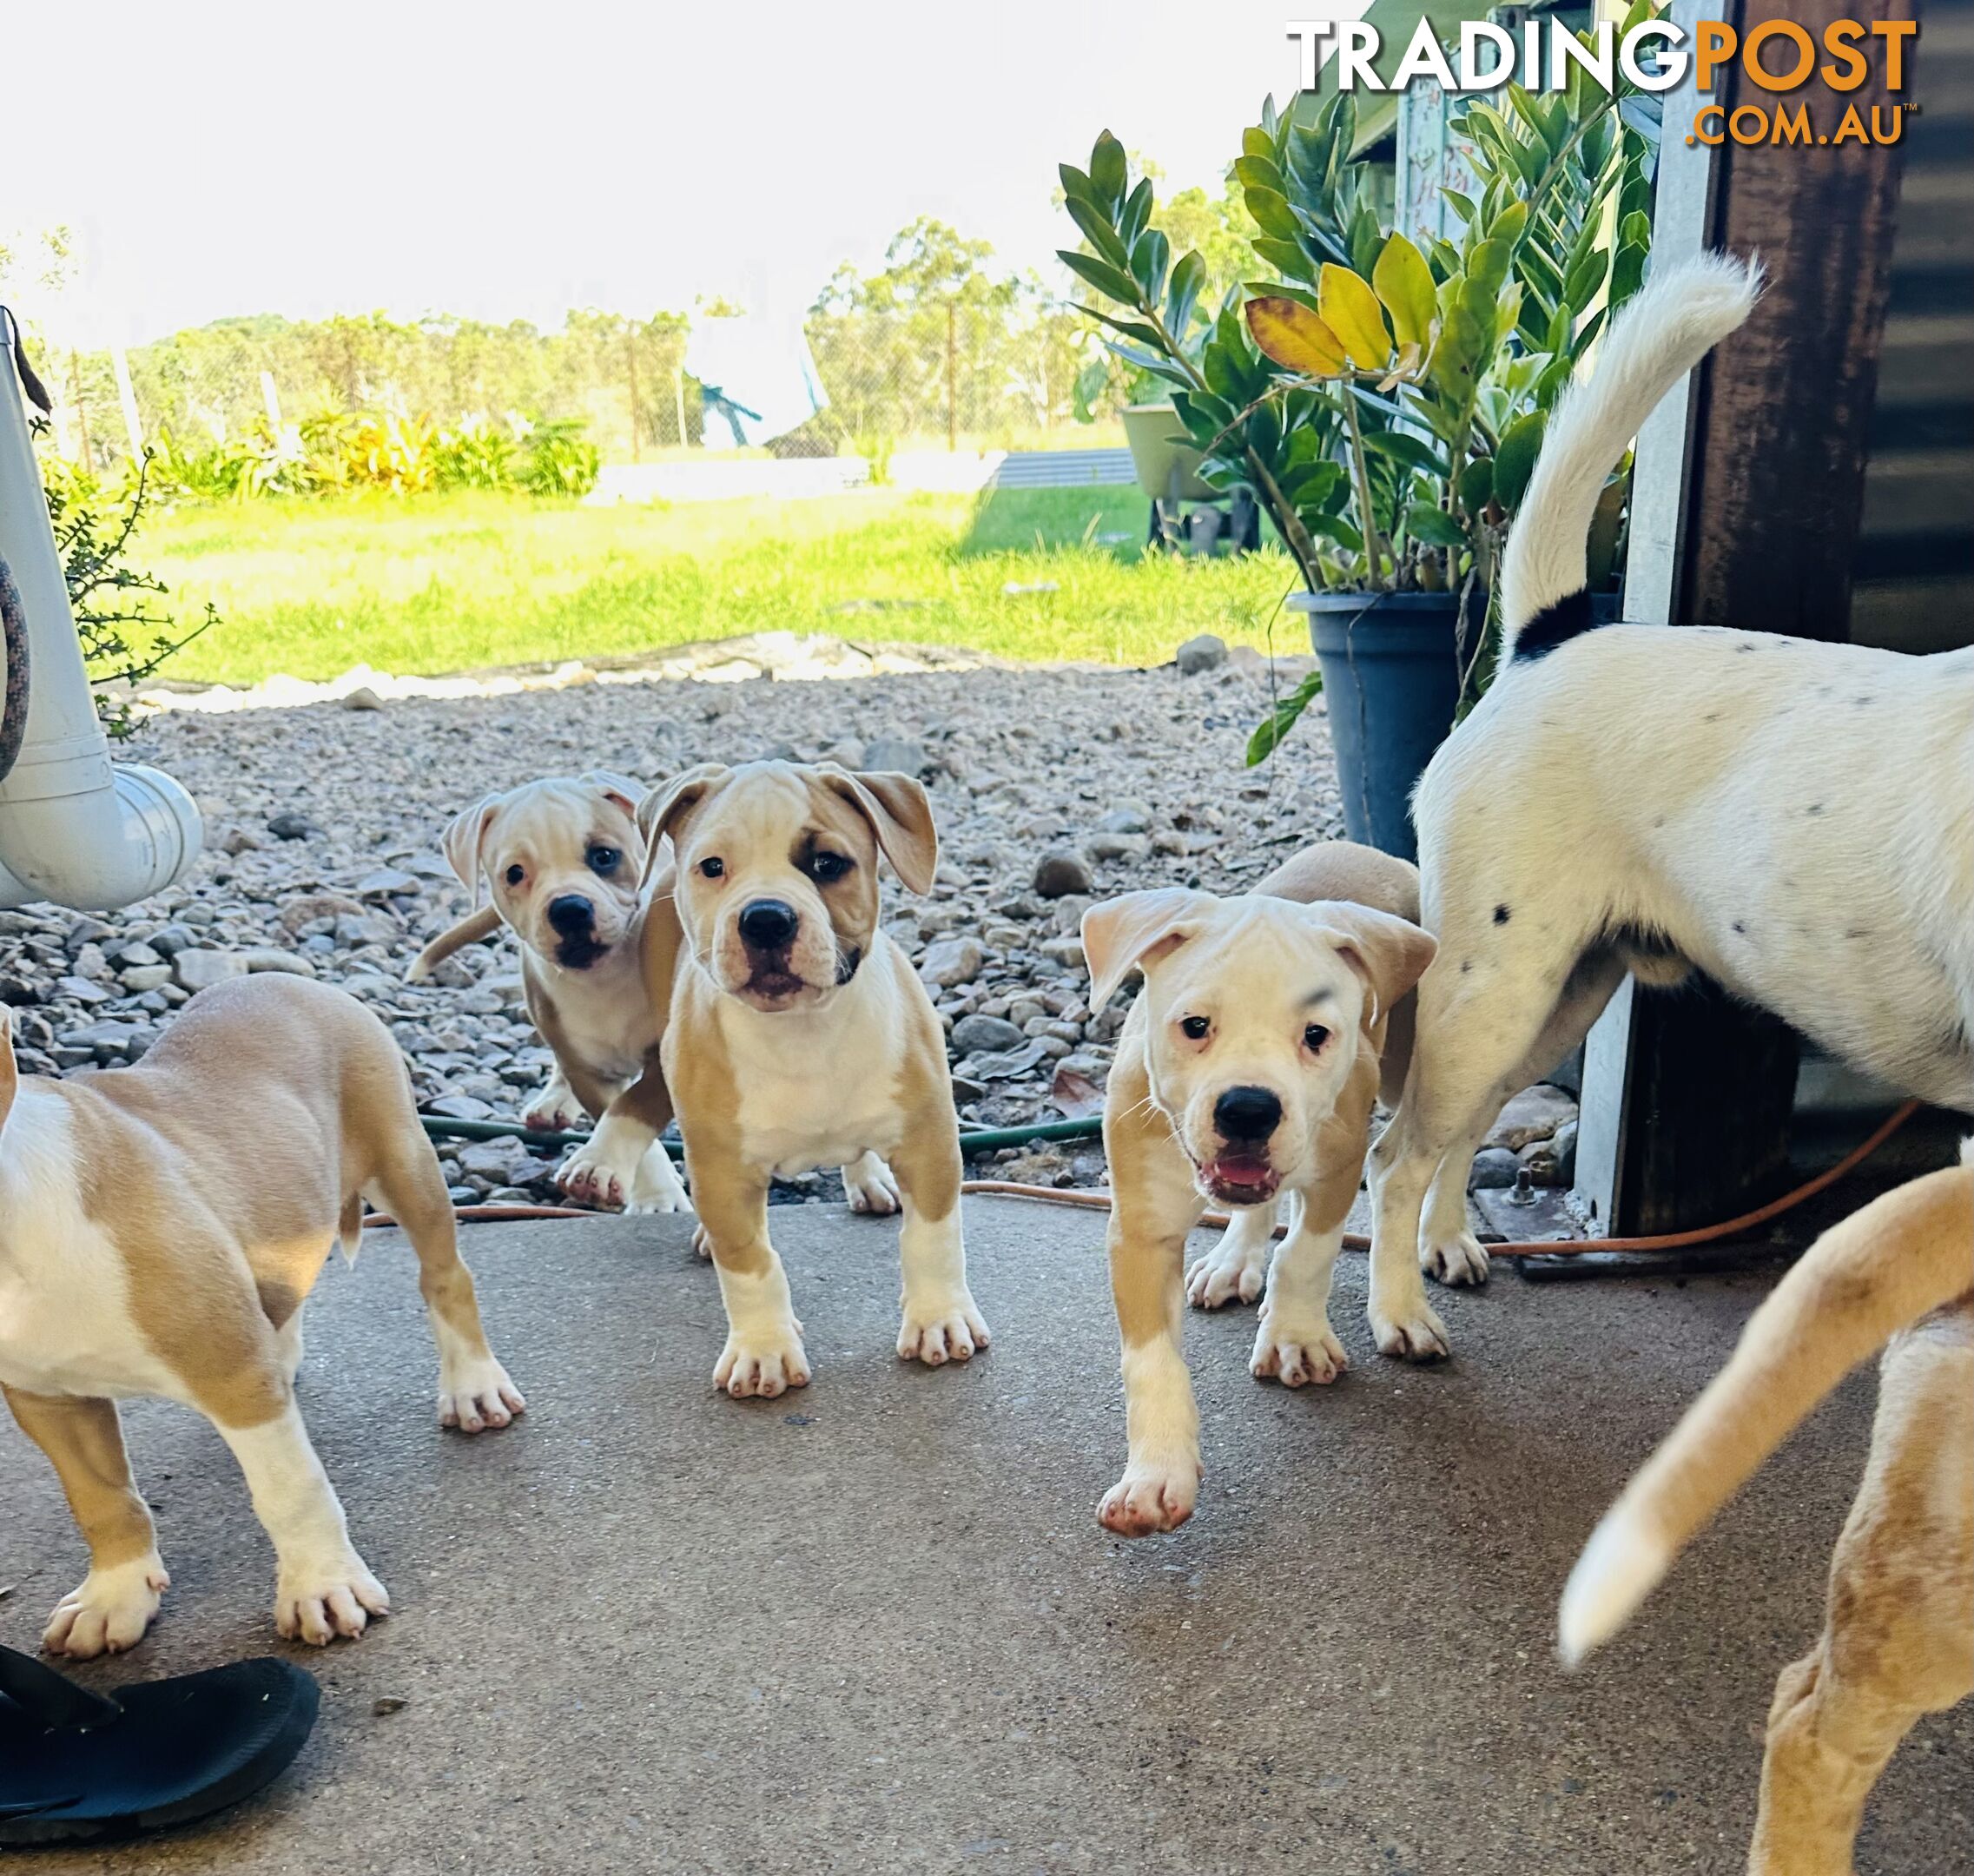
(1915, 567)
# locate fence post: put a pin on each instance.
(678, 400)
(270, 399)
(127, 396)
(631, 356)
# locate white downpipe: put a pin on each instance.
(74, 827)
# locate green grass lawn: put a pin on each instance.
(454, 583)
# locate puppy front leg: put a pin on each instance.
(110, 1608)
(612, 1169)
(1293, 1342)
(322, 1588)
(763, 1354)
(941, 1321)
(1156, 1206)
(1238, 1264)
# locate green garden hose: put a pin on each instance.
(978, 1140)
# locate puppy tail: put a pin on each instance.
(477, 925)
(1879, 1271)
(1673, 322)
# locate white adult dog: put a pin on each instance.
(1794, 819)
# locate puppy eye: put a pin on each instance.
(516, 874)
(1194, 1028)
(712, 869)
(825, 866)
(604, 859)
(1314, 1037)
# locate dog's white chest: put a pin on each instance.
(813, 1092)
(66, 1325)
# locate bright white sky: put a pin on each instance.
(502, 162)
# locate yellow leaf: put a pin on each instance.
(1293, 336)
(1349, 310)
(1404, 283)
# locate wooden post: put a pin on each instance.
(127, 397)
(1688, 1094)
(636, 416)
(678, 400)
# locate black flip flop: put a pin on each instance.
(75, 1764)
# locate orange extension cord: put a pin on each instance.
(1100, 1202)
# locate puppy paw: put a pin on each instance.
(315, 1602)
(107, 1611)
(1231, 1271)
(589, 1179)
(1296, 1354)
(1151, 1497)
(940, 1330)
(474, 1395)
(1416, 1335)
(1463, 1261)
(702, 1243)
(553, 1109)
(870, 1188)
(762, 1365)
(658, 1187)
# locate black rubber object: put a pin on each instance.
(14, 689)
(75, 1764)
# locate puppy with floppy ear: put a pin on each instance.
(1246, 1072)
(800, 1034)
(565, 866)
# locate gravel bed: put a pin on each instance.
(1051, 786)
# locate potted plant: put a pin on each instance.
(1384, 401)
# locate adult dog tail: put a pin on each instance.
(1678, 318)
(1879, 1271)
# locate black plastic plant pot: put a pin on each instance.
(1391, 666)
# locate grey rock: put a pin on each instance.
(1206, 652)
(984, 1032)
(143, 977)
(1127, 817)
(952, 961)
(388, 882)
(267, 958)
(1117, 845)
(200, 967)
(1060, 872)
(81, 990)
(362, 698)
(1494, 1168)
(172, 939)
(1066, 950)
(459, 1107)
(895, 755)
(291, 826)
(1534, 1114)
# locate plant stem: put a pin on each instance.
(1360, 474)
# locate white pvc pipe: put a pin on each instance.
(74, 827)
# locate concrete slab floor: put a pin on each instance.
(874, 1627)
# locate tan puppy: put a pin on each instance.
(565, 863)
(159, 1228)
(1898, 1634)
(800, 1034)
(563, 860)
(1248, 1068)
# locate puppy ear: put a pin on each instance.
(10, 1071)
(1127, 934)
(899, 813)
(665, 809)
(1390, 953)
(464, 839)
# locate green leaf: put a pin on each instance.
(1269, 732)
(1096, 228)
(1434, 526)
(1111, 282)
(1075, 184)
(1260, 172)
(1135, 213)
(1131, 329)
(1402, 447)
(1581, 288)
(1256, 141)
(1148, 261)
(1476, 485)
(1461, 205)
(1109, 170)
(1189, 276)
(1272, 214)
(1514, 457)
(1284, 256)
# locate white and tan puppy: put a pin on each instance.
(1246, 1070)
(564, 862)
(160, 1228)
(1899, 1633)
(800, 1036)
(1792, 817)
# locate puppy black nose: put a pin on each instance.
(769, 924)
(570, 914)
(1247, 1113)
